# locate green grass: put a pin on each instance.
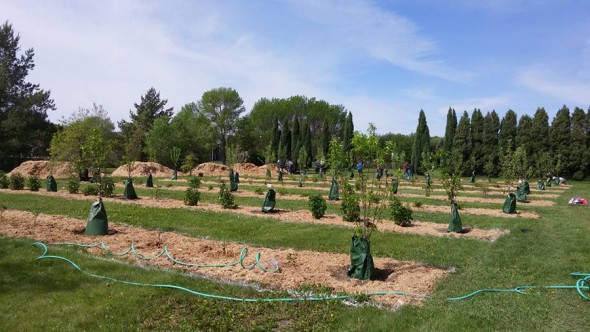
(536, 252)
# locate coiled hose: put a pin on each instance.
(582, 284)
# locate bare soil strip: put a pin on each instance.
(297, 267)
(301, 216)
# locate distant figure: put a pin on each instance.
(280, 165)
(406, 170)
(359, 167)
(411, 171)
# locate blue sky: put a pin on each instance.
(383, 60)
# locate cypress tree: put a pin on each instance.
(450, 130)
(326, 138)
(491, 126)
(421, 142)
(524, 133)
(578, 165)
(275, 139)
(348, 133)
(477, 154)
(507, 135)
(560, 138)
(295, 140)
(285, 142)
(540, 135)
(461, 152)
(306, 130)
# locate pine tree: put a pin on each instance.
(450, 130)
(477, 132)
(491, 126)
(24, 128)
(306, 131)
(348, 134)
(560, 137)
(507, 135)
(421, 142)
(578, 165)
(275, 139)
(461, 153)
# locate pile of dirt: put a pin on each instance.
(211, 169)
(42, 169)
(250, 169)
(214, 169)
(140, 168)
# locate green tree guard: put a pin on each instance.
(334, 195)
(300, 184)
(472, 179)
(269, 201)
(526, 187)
(455, 223)
(520, 194)
(361, 260)
(129, 192)
(540, 185)
(280, 176)
(234, 179)
(150, 181)
(510, 204)
(51, 184)
(395, 186)
(174, 176)
(427, 178)
(97, 223)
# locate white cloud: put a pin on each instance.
(382, 34)
(547, 81)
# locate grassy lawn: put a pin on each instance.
(52, 295)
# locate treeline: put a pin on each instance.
(514, 147)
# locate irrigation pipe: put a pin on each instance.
(582, 284)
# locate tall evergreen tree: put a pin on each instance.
(326, 138)
(579, 157)
(450, 130)
(524, 134)
(275, 140)
(540, 135)
(491, 126)
(477, 133)
(25, 130)
(295, 140)
(461, 153)
(508, 130)
(285, 143)
(307, 141)
(348, 134)
(421, 142)
(560, 136)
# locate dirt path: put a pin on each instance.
(300, 216)
(297, 268)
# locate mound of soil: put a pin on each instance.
(42, 169)
(211, 169)
(250, 169)
(140, 168)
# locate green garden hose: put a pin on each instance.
(582, 284)
(165, 251)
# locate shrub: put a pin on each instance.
(194, 181)
(107, 186)
(401, 215)
(373, 198)
(33, 183)
(226, 198)
(91, 190)
(191, 196)
(417, 204)
(350, 208)
(578, 176)
(73, 185)
(259, 190)
(210, 187)
(317, 206)
(16, 182)
(3, 180)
